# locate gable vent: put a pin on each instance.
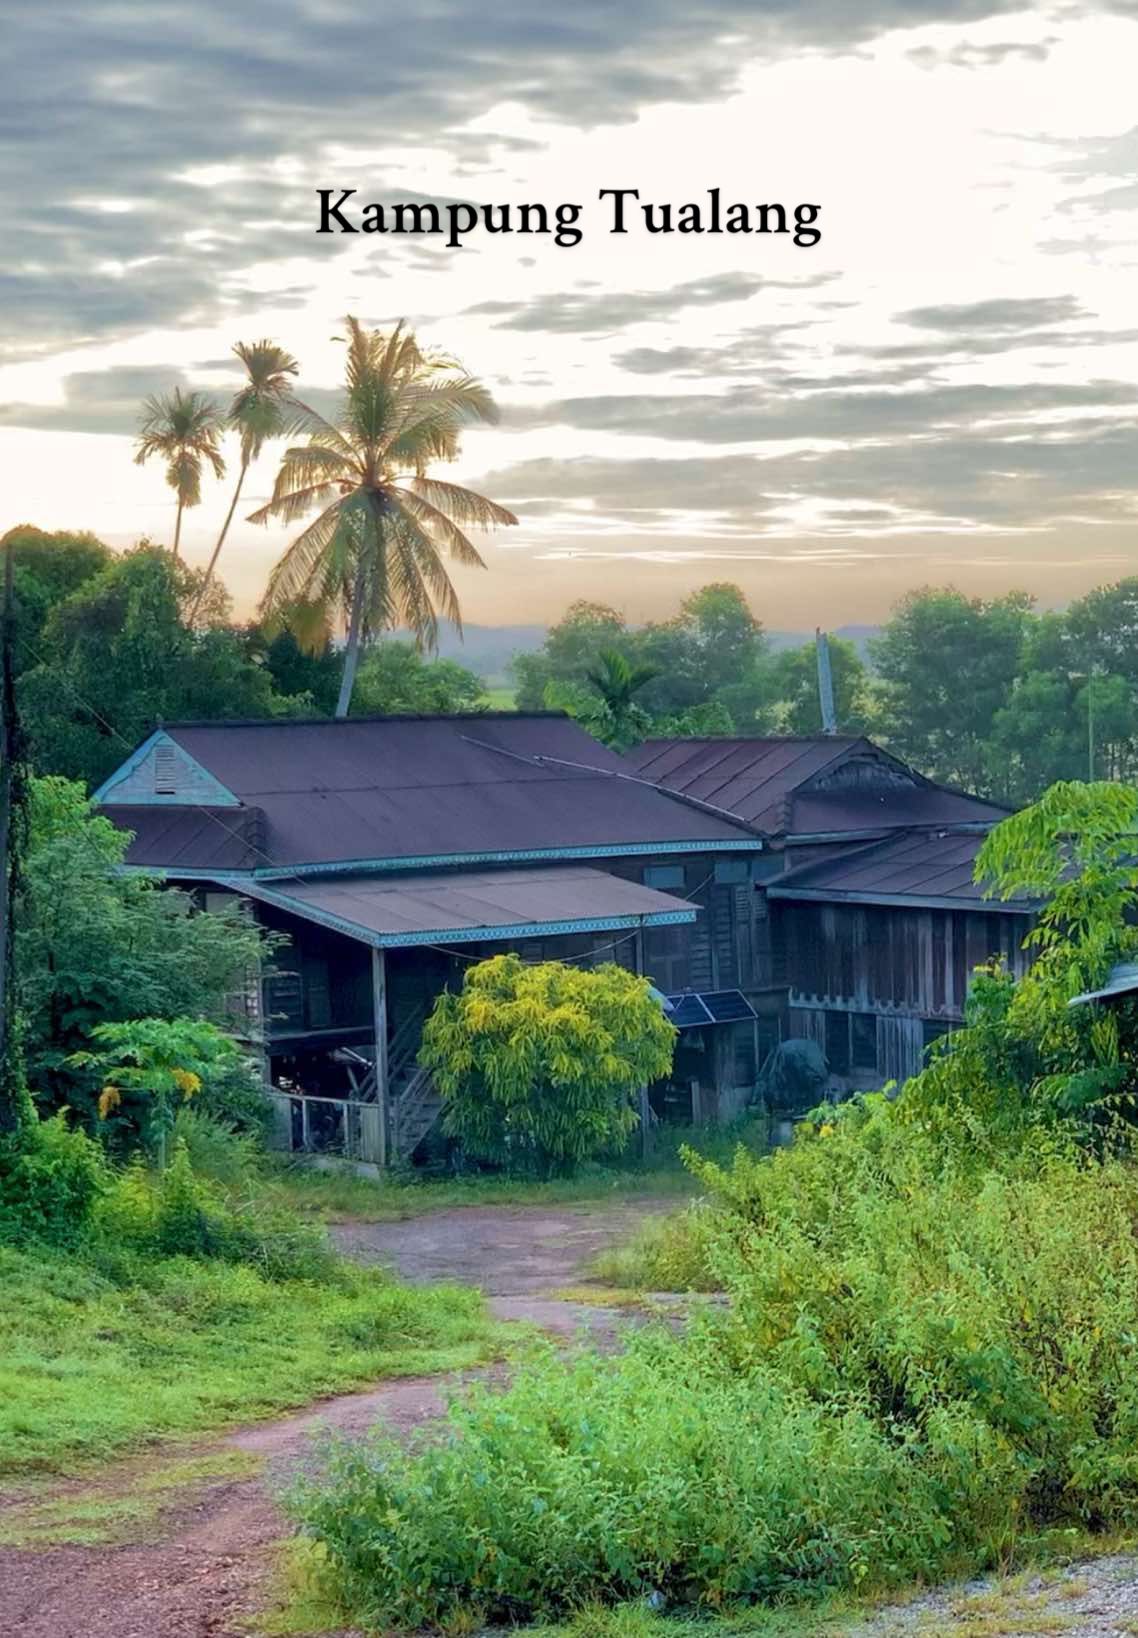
(165, 770)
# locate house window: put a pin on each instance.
(663, 876)
(863, 1041)
(732, 872)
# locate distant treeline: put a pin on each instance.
(986, 694)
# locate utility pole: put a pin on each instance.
(9, 754)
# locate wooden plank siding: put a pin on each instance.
(906, 970)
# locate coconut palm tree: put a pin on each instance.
(259, 411)
(183, 428)
(374, 554)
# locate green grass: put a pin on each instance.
(97, 1360)
(341, 1194)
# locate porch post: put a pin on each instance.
(379, 1021)
(645, 1107)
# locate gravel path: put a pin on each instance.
(204, 1575)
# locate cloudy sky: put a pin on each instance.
(944, 388)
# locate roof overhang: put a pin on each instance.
(902, 901)
(474, 908)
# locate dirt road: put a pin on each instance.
(204, 1574)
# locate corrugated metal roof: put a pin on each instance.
(428, 789)
(474, 906)
(173, 838)
(919, 868)
(761, 781)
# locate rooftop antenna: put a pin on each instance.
(825, 682)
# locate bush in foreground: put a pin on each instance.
(908, 1393)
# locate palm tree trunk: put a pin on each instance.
(178, 525)
(352, 652)
(220, 542)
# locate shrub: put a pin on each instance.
(51, 1178)
(657, 1472)
(539, 1064)
(178, 1213)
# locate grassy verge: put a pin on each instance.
(98, 1358)
(341, 1194)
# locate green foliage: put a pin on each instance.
(539, 1064)
(704, 671)
(394, 676)
(46, 568)
(119, 655)
(96, 946)
(51, 1178)
(946, 664)
(147, 1066)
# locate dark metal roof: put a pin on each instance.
(474, 906)
(176, 838)
(921, 868)
(766, 782)
(426, 789)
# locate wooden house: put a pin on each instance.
(868, 923)
(391, 852)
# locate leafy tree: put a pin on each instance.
(794, 680)
(539, 1065)
(1026, 1056)
(714, 650)
(119, 657)
(258, 412)
(375, 552)
(307, 667)
(182, 429)
(46, 569)
(394, 676)
(572, 647)
(947, 664)
(94, 946)
(149, 1067)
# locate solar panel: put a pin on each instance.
(692, 1010)
(688, 1012)
(727, 1006)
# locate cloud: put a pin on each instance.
(751, 414)
(605, 311)
(1019, 477)
(124, 112)
(1003, 314)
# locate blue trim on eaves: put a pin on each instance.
(430, 861)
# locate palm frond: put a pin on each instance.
(303, 570)
(461, 504)
(439, 528)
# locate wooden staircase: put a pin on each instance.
(414, 1104)
(413, 1108)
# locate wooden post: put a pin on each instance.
(379, 1020)
(642, 1094)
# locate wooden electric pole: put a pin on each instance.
(9, 754)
